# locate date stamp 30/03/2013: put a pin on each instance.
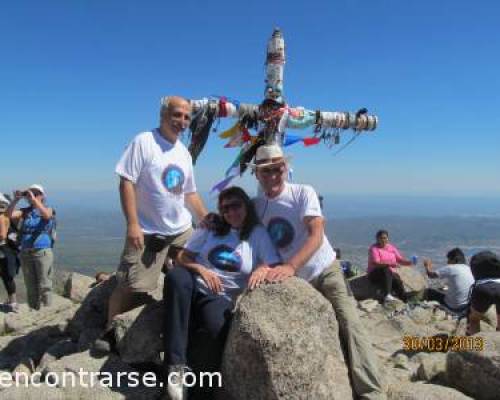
(443, 343)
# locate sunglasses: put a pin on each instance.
(272, 170)
(234, 206)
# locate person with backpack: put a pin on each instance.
(36, 239)
(9, 262)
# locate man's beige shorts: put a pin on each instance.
(139, 270)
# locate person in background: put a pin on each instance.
(485, 267)
(458, 278)
(383, 261)
(36, 237)
(9, 262)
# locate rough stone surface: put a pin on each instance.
(423, 391)
(77, 286)
(414, 282)
(477, 373)
(138, 334)
(432, 368)
(283, 344)
(27, 319)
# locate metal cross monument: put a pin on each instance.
(270, 119)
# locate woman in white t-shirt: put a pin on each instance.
(217, 264)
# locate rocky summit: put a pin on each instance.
(283, 344)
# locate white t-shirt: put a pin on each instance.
(162, 173)
(232, 259)
(459, 279)
(284, 215)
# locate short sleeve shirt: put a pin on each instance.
(232, 259)
(162, 173)
(284, 216)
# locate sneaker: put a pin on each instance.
(14, 307)
(389, 298)
(175, 388)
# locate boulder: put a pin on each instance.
(15, 349)
(92, 312)
(112, 378)
(414, 282)
(284, 344)
(432, 368)
(476, 372)
(362, 288)
(28, 319)
(138, 334)
(423, 391)
(74, 286)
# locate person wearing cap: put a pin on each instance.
(9, 263)
(156, 185)
(292, 214)
(36, 238)
(485, 267)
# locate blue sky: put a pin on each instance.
(80, 78)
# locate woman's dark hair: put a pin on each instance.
(456, 256)
(251, 219)
(381, 232)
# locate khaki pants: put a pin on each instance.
(139, 270)
(37, 266)
(365, 372)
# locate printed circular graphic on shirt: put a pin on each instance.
(173, 179)
(225, 258)
(281, 232)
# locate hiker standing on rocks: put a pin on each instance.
(9, 262)
(36, 238)
(156, 183)
(383, 261)
(293, 217)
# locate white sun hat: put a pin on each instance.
(268, 154)
(37, 187)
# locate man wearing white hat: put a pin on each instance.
(37, 235)
(293, 217)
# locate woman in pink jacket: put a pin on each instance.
(383, 261)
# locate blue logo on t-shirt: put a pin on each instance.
(173, 179)
(281, 232)
(225, 258)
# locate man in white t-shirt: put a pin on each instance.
(459, 279)
(293, 217)
(156, 182)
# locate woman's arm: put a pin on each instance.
(187, 259)
(399, 258)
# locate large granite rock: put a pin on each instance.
(28, 319)
(138, 334)
(73, 285)
(477, 373)
(423, 391)
(284, 344)
(91, 316)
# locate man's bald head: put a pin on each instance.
(175, 117)
(171, 102)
